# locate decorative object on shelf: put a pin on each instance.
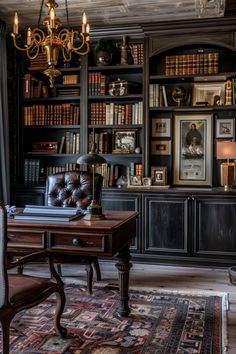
(226, 150)
(125, 53)
(159, 175)
(94, 210)
(124, 141)
(209, 94)
(161, 147)
(135, 180)
(66, 40)
(122, 87)
(121, 182)
(147, 181)
(103, 50)
(193, 149)
(210, 8)
(161, 127)
(225, 128)
(179, 94)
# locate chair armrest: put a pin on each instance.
(28, 258)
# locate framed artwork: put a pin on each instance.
(225, 128)
(159, 175)
(161, 147)
(193, 149)
(124, 141)
(147, 181)
(161, 127)
(135, 180)
(209, 94)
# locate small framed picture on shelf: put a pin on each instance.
(225, 128)
(159, 175)
(192, 149)
(147, 181)
(124, 141)
(209, 94)
(161, 127)
(135, 180)
(161, 147)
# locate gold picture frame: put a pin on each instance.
(159, 175)
(193, 149)
(161, 147)
(161, 127)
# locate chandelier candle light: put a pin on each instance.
(65, 40)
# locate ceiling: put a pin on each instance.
(102, 13)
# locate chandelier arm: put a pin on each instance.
(67, 55)
(35, 52)
(85, 51)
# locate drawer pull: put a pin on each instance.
(76, 241)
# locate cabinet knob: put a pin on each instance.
(76, 241)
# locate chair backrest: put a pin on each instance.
(73, 189)
(3, 257)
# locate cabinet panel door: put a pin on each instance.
(215, 226)
(124, 201)
(166, 224)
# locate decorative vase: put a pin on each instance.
(103, 58)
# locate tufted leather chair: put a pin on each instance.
(19, 292)
(75, 189)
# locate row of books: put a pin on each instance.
(70, 143)
(100, 142)
(72, 79)
(97, 84)
(192, 64)
(36, 173)
(58, 114)
(102, 113)
(38, 63)
(34, 88)
(137, 53)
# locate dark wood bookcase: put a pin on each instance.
(186, 65)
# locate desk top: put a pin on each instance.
(113, 220)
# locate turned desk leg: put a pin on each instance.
(123, 265)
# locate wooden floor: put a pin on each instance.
(167, 277)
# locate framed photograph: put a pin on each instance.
(124, 141)
(135, 180)
(147, 181)
(193, 148)
(225, 128)
(161, 147)
(159, 175)
(209, 94)
(161, 127)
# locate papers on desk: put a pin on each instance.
(48, 213)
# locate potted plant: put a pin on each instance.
(103, 52)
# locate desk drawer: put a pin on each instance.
(26, 239)
(77, 241)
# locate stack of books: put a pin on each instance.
(48, 213)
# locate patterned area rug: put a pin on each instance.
(160, 322)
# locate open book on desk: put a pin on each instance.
(46, 217)
(48, 213)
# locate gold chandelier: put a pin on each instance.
(65, 40)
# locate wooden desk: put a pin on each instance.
(91, 238)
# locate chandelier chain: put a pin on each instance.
(40, 13)
(67, 13)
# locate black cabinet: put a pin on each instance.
(214, 227)
(166, 226)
